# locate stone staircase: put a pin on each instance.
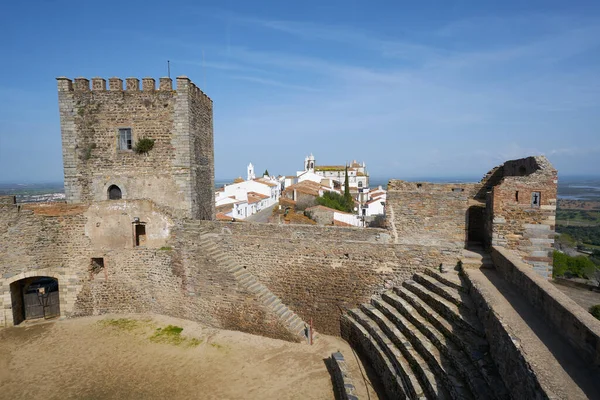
(476, 257)
(425, 341)
(246, 280)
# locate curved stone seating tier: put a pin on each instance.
(424, 340)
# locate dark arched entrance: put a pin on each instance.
(114, 193)
(33, 298)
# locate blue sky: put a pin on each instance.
(439, 89)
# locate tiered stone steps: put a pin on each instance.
(426, 340)
(476, 257)
(249, 282)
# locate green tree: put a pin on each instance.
(336, 201)
(580, 266)
(347, 195)
(266, 173)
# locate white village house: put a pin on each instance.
(246, 197)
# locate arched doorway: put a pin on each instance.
(33, 298)
(114, 192)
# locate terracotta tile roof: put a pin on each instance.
(340, 223)
(238, 180)
(306, 187)
(261, 196)
(222, 217)
(254, 197)
(284, 201)
(225, 208)
(265, 182)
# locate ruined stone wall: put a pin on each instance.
(428, 213)
(516, 221)
(171, 173)
(169, 275)
(59, 240)
(321, 271)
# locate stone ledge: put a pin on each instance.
(574, 323)
(343, 385)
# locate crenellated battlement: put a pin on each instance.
(115, 84)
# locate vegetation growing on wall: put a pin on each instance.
(87, 153)
(144, 145)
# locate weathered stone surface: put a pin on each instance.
(430, 214)
(177, 173)
(518, 223)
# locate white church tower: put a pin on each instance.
(309, 163)
(251, 175)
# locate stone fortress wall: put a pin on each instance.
(523, 215)
(319, 271)
(178, 172)
(59, 240)
(429, 213)
(500, 210)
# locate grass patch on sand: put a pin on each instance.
(171, 334)
(124, 324)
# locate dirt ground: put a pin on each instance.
(115, 357)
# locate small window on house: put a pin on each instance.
(419, 185)
(517, 196)
(125, 142)
(140, 234)
(114, 192)
(360, 184)
(458, 189)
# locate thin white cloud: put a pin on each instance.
(271, 82)
(219, 65)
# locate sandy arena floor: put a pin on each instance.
(89, 358)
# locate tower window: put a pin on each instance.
(114, 193)
(125, 139)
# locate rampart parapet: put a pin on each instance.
(132, 84)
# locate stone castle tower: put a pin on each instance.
(100, 130)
